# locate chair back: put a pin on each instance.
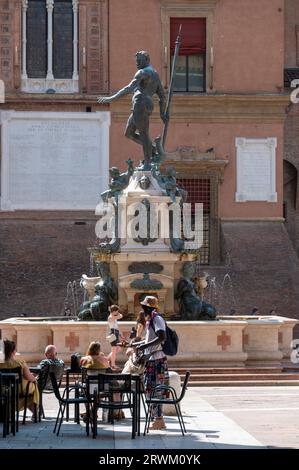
(58, 370)
(55, 386)
(88, 371)
(109, 383)
(16, 370)
(184, 387)
(13, 370)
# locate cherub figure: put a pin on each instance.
(119, 181)
(168, 182)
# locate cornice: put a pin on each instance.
(216, 108)
(186, 5)
(186, 108)
(40, 98)
(190, 160)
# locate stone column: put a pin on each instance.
(24, 39)
(50, 7)
(75, 40)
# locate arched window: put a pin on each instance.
(290, 179)
(50, 46)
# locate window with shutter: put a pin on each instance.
(190, 68)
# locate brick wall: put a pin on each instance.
(264, 268)
(38, 258)
(10, 43)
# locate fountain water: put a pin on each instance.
(212, 291)
(226, 295)
(91, 265)
(71, 302)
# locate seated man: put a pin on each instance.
(51, 360)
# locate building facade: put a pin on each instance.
(229, 118)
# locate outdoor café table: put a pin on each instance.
(135, 391)
(12, 381)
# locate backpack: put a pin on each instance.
(75, 362)
(171, 343)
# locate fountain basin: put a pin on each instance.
(237, 341)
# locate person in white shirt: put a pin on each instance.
(113, 318)
(156, 369)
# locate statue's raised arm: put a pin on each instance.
(145, 84)
(124, 91)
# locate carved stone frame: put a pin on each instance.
(188, 9)
(190, 163)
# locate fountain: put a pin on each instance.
(212, 290)
(140, 251)
(227, 293)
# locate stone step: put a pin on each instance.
(227, 370)
(244, 383)
(241, 377)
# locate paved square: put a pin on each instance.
(215, 417)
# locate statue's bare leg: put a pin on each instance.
(141, 121)
(130, 131)
(131, 134)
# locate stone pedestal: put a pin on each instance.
(225, 342)
(129, 295)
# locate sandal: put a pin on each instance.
(118, 415)
(158, 424)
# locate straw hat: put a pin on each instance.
(150, 301)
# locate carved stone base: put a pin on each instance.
(229, 342)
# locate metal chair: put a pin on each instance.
(63, 402)
(104, 389)
(45, 384)
(173, 400)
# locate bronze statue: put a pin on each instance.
(192, 307)
(145, 84)
(168, 182)
(118, 181)
(97, 309)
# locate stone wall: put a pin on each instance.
(39, 254)
(263, 266)
(227, 342)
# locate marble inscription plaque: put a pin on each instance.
(55, 161)
(256, 170)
